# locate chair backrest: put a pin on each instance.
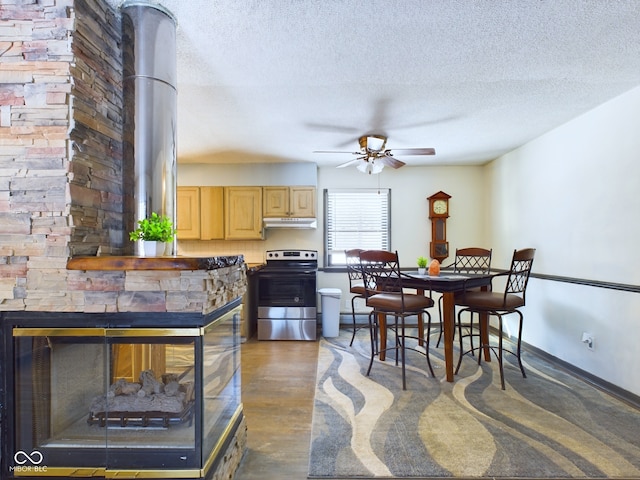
(520, 270)
(472, 260)
(381, 271)
(353, 266)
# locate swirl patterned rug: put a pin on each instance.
(549, 425)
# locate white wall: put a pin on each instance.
(574, 195)
(247, 174)
(411, 227)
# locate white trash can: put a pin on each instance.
(330, 301)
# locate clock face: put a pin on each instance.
(440, 207)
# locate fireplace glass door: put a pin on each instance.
(99, 400)
(119, 395)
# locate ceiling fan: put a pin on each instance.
(373, 156)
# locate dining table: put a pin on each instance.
(448, 284)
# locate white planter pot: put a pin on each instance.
(153, 249)
(422, 271)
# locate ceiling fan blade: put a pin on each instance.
(335, 151)
(412, 151)
(389, 161)
(349, 163)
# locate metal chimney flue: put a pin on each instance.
(150, 103)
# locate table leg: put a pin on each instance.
(448, 325)
(421, 330)
(420, 291)
(382, 323)
(484, 321)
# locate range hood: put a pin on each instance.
(290, 222)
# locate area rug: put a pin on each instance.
(548, 425)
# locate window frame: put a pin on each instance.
(329, 261)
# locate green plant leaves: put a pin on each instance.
(155, 228)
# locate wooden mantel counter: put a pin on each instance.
(115, 263)
(178, 284)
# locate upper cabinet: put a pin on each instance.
(200, 212)
(275, 201)
(236, 213)
(243, 213)
(302, 201)
(211, 213)
(298, 202)
(188, 213)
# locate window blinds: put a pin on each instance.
(356, 218)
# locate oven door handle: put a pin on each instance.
(280, 273)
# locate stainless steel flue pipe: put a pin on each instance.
(150, 118)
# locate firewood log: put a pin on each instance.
(149, 383)
(171, 388)
(169, 377)
(122, 387)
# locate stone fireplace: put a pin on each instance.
(141, 379)
(67, 202)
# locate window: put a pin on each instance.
(355, 218)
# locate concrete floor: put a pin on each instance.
(278, 384)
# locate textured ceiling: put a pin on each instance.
(275, 80)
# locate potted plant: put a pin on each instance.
(154, 231)
(422, 264)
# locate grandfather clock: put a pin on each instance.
(438, 213)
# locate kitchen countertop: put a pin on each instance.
(254, 267)
(153, 263)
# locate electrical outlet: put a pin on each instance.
(588, 340)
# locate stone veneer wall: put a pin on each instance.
(97, 179)
(61, 180)
(198, 291)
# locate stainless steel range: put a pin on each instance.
(287, 295)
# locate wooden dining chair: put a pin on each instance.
(356, 283)
(385, 295)
(499, 304)
(470, 260)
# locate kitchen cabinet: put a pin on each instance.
(298, 202)
(188, 213)
(211, 213)
(200, 213)
(243, 213)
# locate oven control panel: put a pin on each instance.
(292, 255)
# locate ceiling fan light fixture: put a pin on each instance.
(370, 167)
(373, 157)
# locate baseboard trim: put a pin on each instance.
(601, 384)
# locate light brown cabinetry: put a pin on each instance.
(200, 213)
(243, 213)
(298, 202)
(188, 213)
(211, 213)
